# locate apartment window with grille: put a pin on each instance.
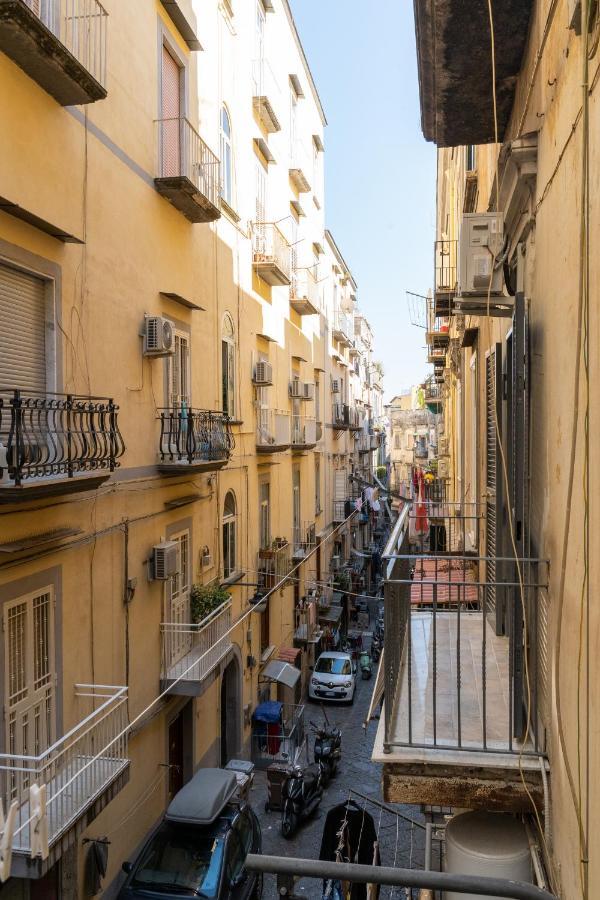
(229, 535)
(228, 366)
(30, 705)
(471, 159)
(178, 367)
(296, 504)
(317, 485)
(226, 158)
(177, 601)
(264, 524)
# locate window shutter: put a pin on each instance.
(493, 482)
(519, 504)
(170, 113)
(340, 484)
(22, 331)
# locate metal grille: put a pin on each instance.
(170, 112)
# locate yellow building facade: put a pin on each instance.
(517, 208)
(177, 410)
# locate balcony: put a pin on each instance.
(60, 44)
(190, 652)
(446, 281)
(304, 432)
(271, 257)
(193, 440)
(303, 539)
(300, 166)
(304, 295)
(340, 414)
(272, 431)
(342, 328)
(274, 563)
(188, 172)
(82, 772)
(56, 444)
(433, 394)
(266, 96)
(453, 731)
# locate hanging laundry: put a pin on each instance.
(349, 835)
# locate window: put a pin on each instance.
(296, 505)
(226, 158)
(178, 601)
(228, 366)
(317, 485)
(179, 372)
(396, 441)
(264, 525)
(317, 400)
(293, 112)
(471, 163)
(26, 332)
(30, 674)
(229, 535)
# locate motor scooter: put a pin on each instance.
(327, 750)
(376, 646)
(366, 667)
(302, 791)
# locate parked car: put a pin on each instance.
(200, 847)
(333, 677)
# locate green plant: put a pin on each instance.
(342, 581)
(205, 598)
(381, 472)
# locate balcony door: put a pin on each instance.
(170, 114)
(178, 603)
(297, 526)
(179, 373)
(29, 679)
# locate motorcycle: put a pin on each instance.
(376, 647)
(327, 750)
(302, 792)
(366, 668)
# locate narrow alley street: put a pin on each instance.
(401, 844)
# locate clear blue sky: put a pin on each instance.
(380, 172)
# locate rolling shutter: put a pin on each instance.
(493, 484)
(170, 114)
(22, 331)
(340, 484)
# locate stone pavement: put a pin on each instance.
(399, 841)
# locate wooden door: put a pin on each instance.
(175, 755)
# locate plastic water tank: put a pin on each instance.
(490, 844)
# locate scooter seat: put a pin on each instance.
(311, 774)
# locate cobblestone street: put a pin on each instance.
(399, 841)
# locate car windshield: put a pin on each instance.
(181, 859)
(333, 665)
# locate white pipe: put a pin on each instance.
(547, 810)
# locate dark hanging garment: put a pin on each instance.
(96, 863)
(349, 835)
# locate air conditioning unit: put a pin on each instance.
(296, 388)
(309, 391)
(166, 560)
(263, 373)
(480, 247)
(335, 386)
(442, 446)
(443, 468)
(159, 339)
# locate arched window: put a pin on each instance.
(226, 158)
(228, 366)
(229, 535)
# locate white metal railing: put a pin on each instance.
(81, 25)
(272, 428)
(275, 562)
(304, 430)
(205, 644)
(181, 153)
(75, 769)
(264, 81)
(304, 286)
(270, 247)
(342, 324)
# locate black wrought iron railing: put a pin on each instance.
(455, 676)
(44, 435)
(194, 436)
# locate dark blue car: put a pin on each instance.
(200, 847)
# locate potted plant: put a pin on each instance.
(205, 598)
